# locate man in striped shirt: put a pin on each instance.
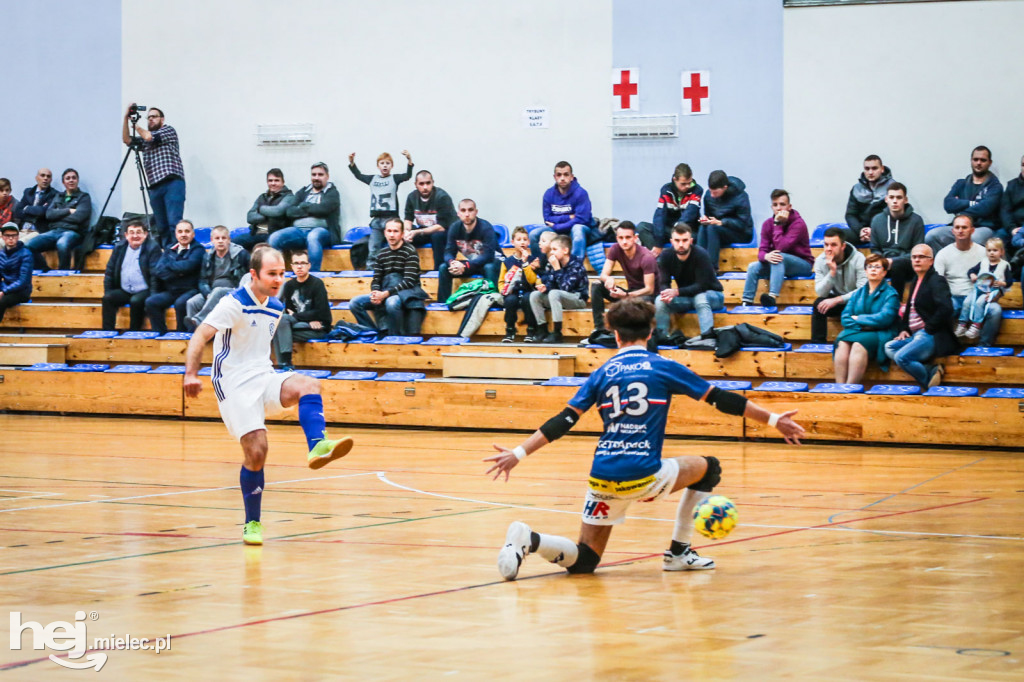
(395, 286)
(164, 170)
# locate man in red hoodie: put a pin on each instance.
(785, 251)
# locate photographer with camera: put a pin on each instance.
(164, 171)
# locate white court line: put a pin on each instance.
(837, 529)
(30, 495)
(177, 492)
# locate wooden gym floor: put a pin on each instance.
(848, 563)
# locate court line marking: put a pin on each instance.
(383, 477)
(32, 495)
(177, 492)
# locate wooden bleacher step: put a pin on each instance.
(507, 365)
(26, 354)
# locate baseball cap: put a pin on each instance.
(9, 227)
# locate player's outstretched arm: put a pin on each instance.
(193, 355)
(552, 430)
(735, 404)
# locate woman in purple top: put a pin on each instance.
(785, 251)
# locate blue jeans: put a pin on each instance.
(392, 311)
(710, 238)
(775, 273)
(63, 240)
(911, 353)
(312, 239)
(989, 316)
(376, 242)
(167, 199)
(581, 236)
(157, 305)
(705, 303)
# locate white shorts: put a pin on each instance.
(607, 501)
(246, 406)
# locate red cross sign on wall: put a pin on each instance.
(696, 92)
(625, 89)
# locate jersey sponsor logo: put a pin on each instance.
(614, 369)
(621, 487)
(271, 328)
(561, 209)
(595, 508)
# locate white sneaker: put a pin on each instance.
(689, 560)
(517, 546)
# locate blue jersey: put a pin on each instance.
(634, 390)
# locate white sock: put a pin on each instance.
(684, 514)
(557, 550)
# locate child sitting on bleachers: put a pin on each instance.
(516, 281)
(991, 280)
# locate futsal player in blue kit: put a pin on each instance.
(633, 391)
(247, 387)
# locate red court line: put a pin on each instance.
(394, 600)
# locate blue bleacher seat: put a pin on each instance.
(46, 367)
(753, 310)
(726, 385)
(239, 232)
(1013, 314)
(139, 335)
(436, 305)
(1004, 392)
(315, 373)
(596, 255)
(429, 275)
(356, 233)
(814, 348)
(446, 341)
(744, 245)
(502, 233)
(732, 275)
(894, 389)
(952, 391)
(58, 273)
(818, 236)
(203, 235)
(784, 347)
(837, 388)
(168, 369)
(565, 381)
(402, 376)
(89, 367)
(796, 310)
(355, 273)
(129, 369)
(350, 375)
(785, 386)
(95, 334)
(400, 340)
(205, 371)
(343, 305)
(175, 336)
(931, 226)
(1020, 354)
(987, 352)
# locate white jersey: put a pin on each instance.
(241, 349)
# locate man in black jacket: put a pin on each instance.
(697, 286)
(30, 214)
(867, 199)
(269, 213)
(68, 218)
(128, 276)
(307, 311)
(926, 322)
(175, 279)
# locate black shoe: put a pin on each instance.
(767, 301)
(553, 337)
(535, 338)
(510, 337)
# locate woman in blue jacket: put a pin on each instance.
(869, 322)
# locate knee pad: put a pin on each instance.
(586, 562)
(712, 477)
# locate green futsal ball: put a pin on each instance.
(715, 517)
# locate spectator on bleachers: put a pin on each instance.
(979, 196)
(566, 208)
(954, 263)
(269, 213)
(1012, 210)
(894, 232)
(395, 288)
(726, 216)
(678, 202)
(784, 251)
(315, 216)
(7, 202)
(68, 219)
(307, 311)
(869, 322)
(639, 266)
(161, 157)
(925, 323)
(222, 270)
(428, 213)
(516, 282)
(175, 279)
(31, 211)
(383, 196)
(129, 275)
(473, 238)
(838, 272)
(991, 279)
(563, 286)
(867, 199)
(697, 286)
(15, 270)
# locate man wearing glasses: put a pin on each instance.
(164, 171)
(307, 312)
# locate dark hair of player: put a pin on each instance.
(632, 318)
(260, 255)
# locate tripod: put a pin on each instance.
(135, 146)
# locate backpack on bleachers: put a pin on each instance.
(464, 295)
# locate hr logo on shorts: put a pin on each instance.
(594, 508)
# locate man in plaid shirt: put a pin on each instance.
(164, 171)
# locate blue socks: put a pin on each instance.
(311, 417)
(251, 483)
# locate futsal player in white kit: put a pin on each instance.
(247, 387)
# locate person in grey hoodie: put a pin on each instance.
(223, 268)
(867, 199)
(838, 272)
(894, 232)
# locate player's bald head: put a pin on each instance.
(261, 258)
